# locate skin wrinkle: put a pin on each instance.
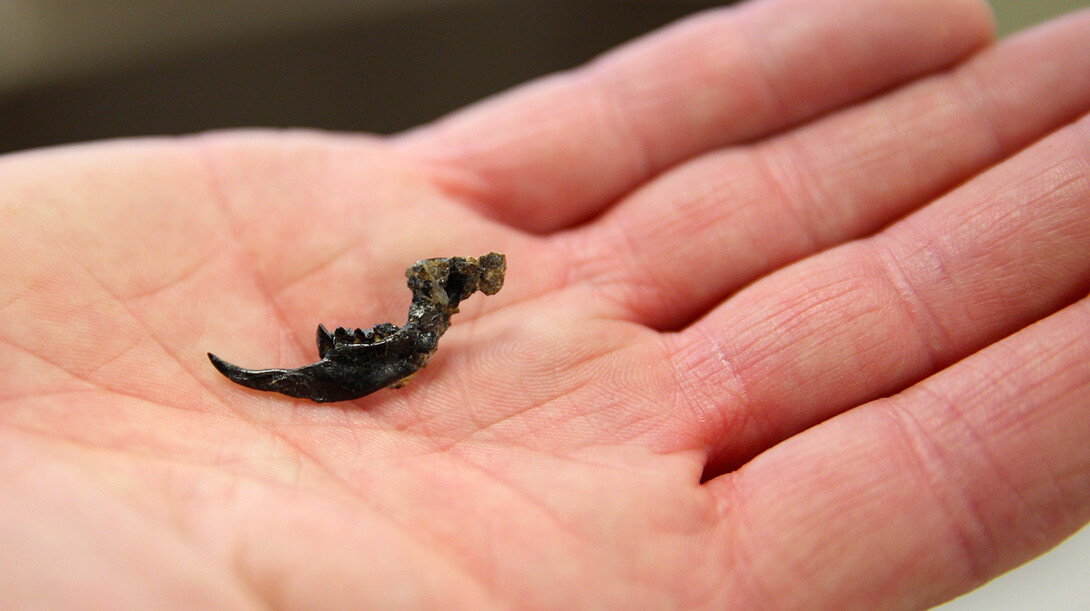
(92, 385)
(16, 297)
(219, 196)
(113, 358)
(490, 426)
(566, 383)
(685, 404)
(1073, 178)
(1006, 226)
(638, 293)
(635, 288)
(620, 406)
(582, 252)
(43, 359)
(425, 427)
(823, 578)
(796, 188)
(876, 144)
(58, 366)
(47, 395)
(582, 256)
(760, 76)
(964, 519)
(984, 105)
(627, 292)
(213, 468)
(729, 499)
(727, 423)
(748, 409)
(346, 441)
(172, 283)
(766, 345)
(812, 302)
(349, 247)
(635, 425)
(320, 266)
(131, 450)
(1068, 503)
(465, 458)
(95, 388)
(601, 89)
(776, 184)
(682, 402)
(1065, 344)
(744, 586)
(461, 386)
(461, 383)
(922, 318)
(978, 100)
(148, 330)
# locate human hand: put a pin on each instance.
(794, 318)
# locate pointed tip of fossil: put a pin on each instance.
(260, 379)
(223, 366)
(233, 372)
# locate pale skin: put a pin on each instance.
(795, 317)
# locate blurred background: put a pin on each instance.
(73, 70)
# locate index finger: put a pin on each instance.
(558, 151)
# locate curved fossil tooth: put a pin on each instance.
(325, 341)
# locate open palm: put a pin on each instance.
(791, 320)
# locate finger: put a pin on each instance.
(915, 499)
(678, 246)
(558, 151)
(871, 317)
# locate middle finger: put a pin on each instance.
(870, 317)
(704, 229)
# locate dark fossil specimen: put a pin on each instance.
(358, 362)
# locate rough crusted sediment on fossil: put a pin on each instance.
(357, 362)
